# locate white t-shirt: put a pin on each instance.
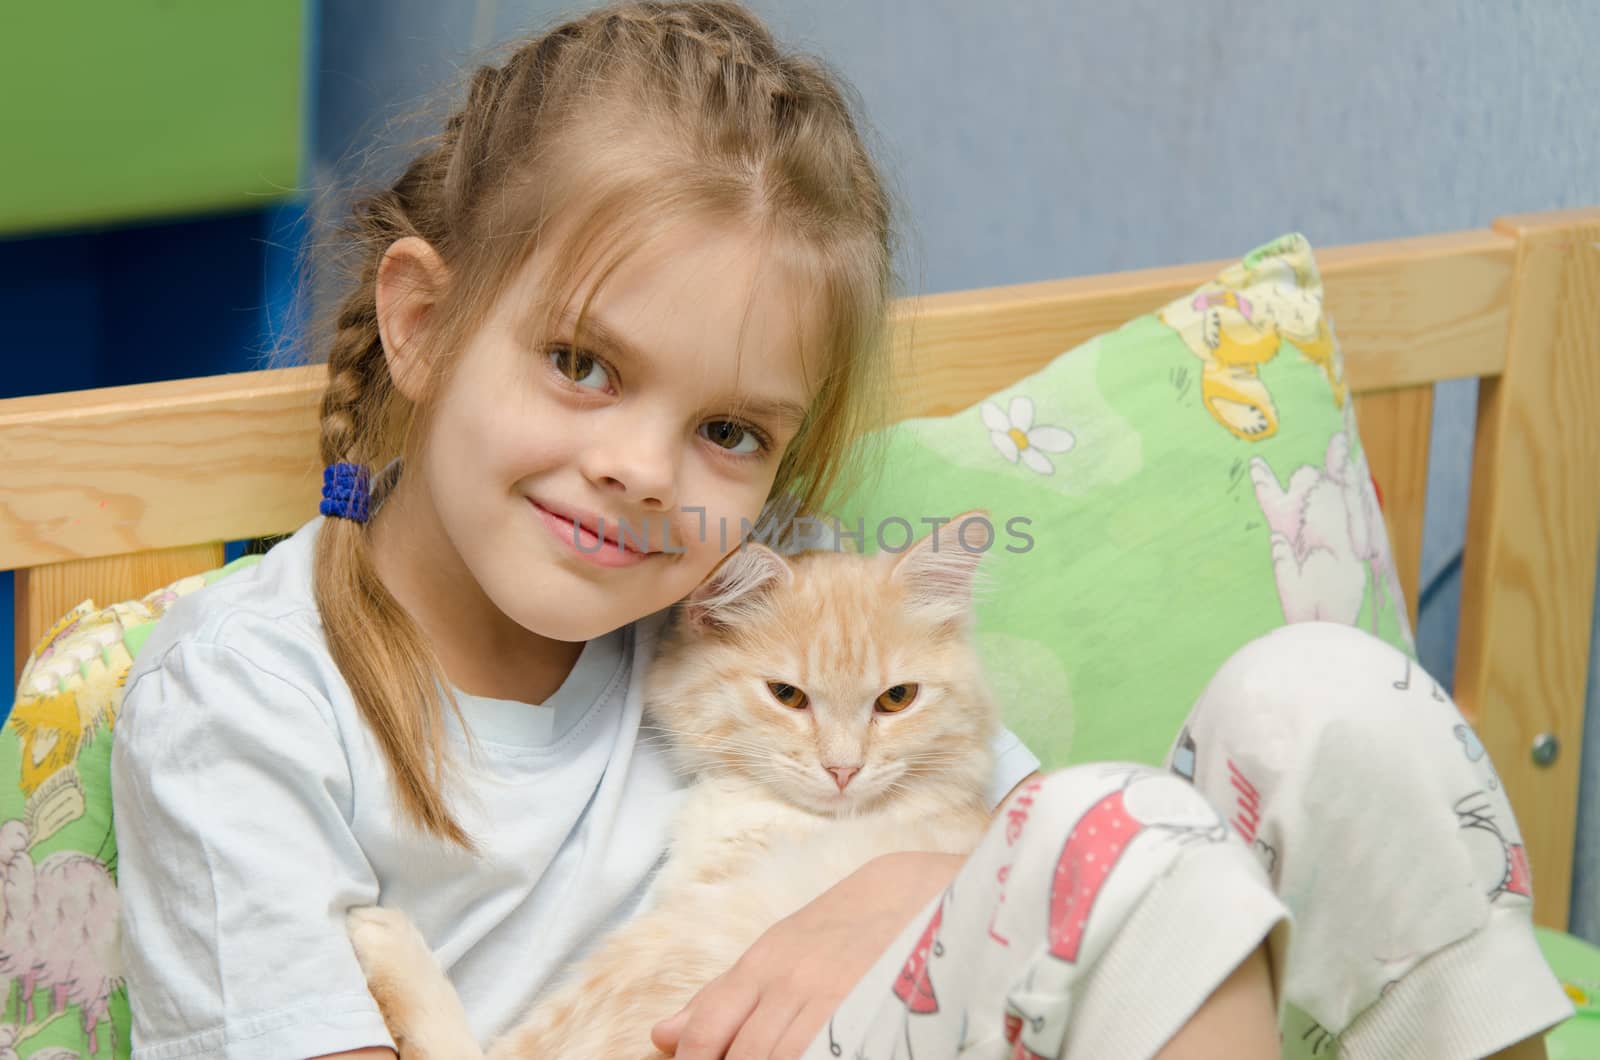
(253, 807)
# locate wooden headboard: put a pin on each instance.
(107, 494)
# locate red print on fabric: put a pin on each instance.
(1519, 878)
(1091, 851)
(1248, 819)
(913, 985)
(1016, 817)
(1014, 1036)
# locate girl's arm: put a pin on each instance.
(879, 900)
(814, 956)
(373, 1053)
(1239, 1021)
(232, 794)
(1527, 1049)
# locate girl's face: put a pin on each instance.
(583, 487)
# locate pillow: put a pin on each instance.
(1577, 965)
(58, 853)
(1157, 497)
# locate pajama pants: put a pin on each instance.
(1324, 796)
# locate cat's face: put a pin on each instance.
(834, 681)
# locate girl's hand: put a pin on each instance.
(777, 997)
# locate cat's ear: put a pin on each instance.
(939, 572)
(734, 592)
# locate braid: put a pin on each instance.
(726, 31)
(354, 345)
(469, 133)
(358, 375)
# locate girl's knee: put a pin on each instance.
(1291, 682)
(1309, 654)
(1326, 739)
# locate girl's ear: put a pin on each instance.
(939, 572)
(735, 591)
(411, 281)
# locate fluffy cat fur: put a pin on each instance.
(765, 826)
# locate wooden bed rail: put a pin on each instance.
(1533, 528)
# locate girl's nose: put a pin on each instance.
(640, 466)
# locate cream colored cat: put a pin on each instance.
(830, 708)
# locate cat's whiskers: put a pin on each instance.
(933, 758)
(894, 786)
(933, 753)
(697, 753)
(739, 785)
(700, 741)
(938, 759)
(796, 768)
(662, 736)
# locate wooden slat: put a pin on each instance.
(1395, 431)
(44, 594)
(113, 471)
(1407, 312)
(126, 469)
(1533, 522)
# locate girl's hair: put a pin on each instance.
(618, 124)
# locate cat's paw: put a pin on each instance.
(418, 1004)
(385, 940)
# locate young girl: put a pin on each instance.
(642, 280)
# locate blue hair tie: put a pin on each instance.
(345, 491)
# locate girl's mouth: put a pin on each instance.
(579, 533)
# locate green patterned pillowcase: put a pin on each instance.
(1158, 497)
(60, 968)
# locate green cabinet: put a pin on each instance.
(121, 110)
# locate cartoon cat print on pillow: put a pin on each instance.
(1328, 539)
(1238, 323)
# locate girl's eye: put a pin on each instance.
(896, 699)
(579, 368)
(788, 695)
(734, 437)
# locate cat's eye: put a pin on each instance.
(788, 695)
(896, 699)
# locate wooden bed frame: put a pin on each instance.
(107, 494)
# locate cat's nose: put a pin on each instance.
(842, 774)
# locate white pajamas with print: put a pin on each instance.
(1339, 808)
